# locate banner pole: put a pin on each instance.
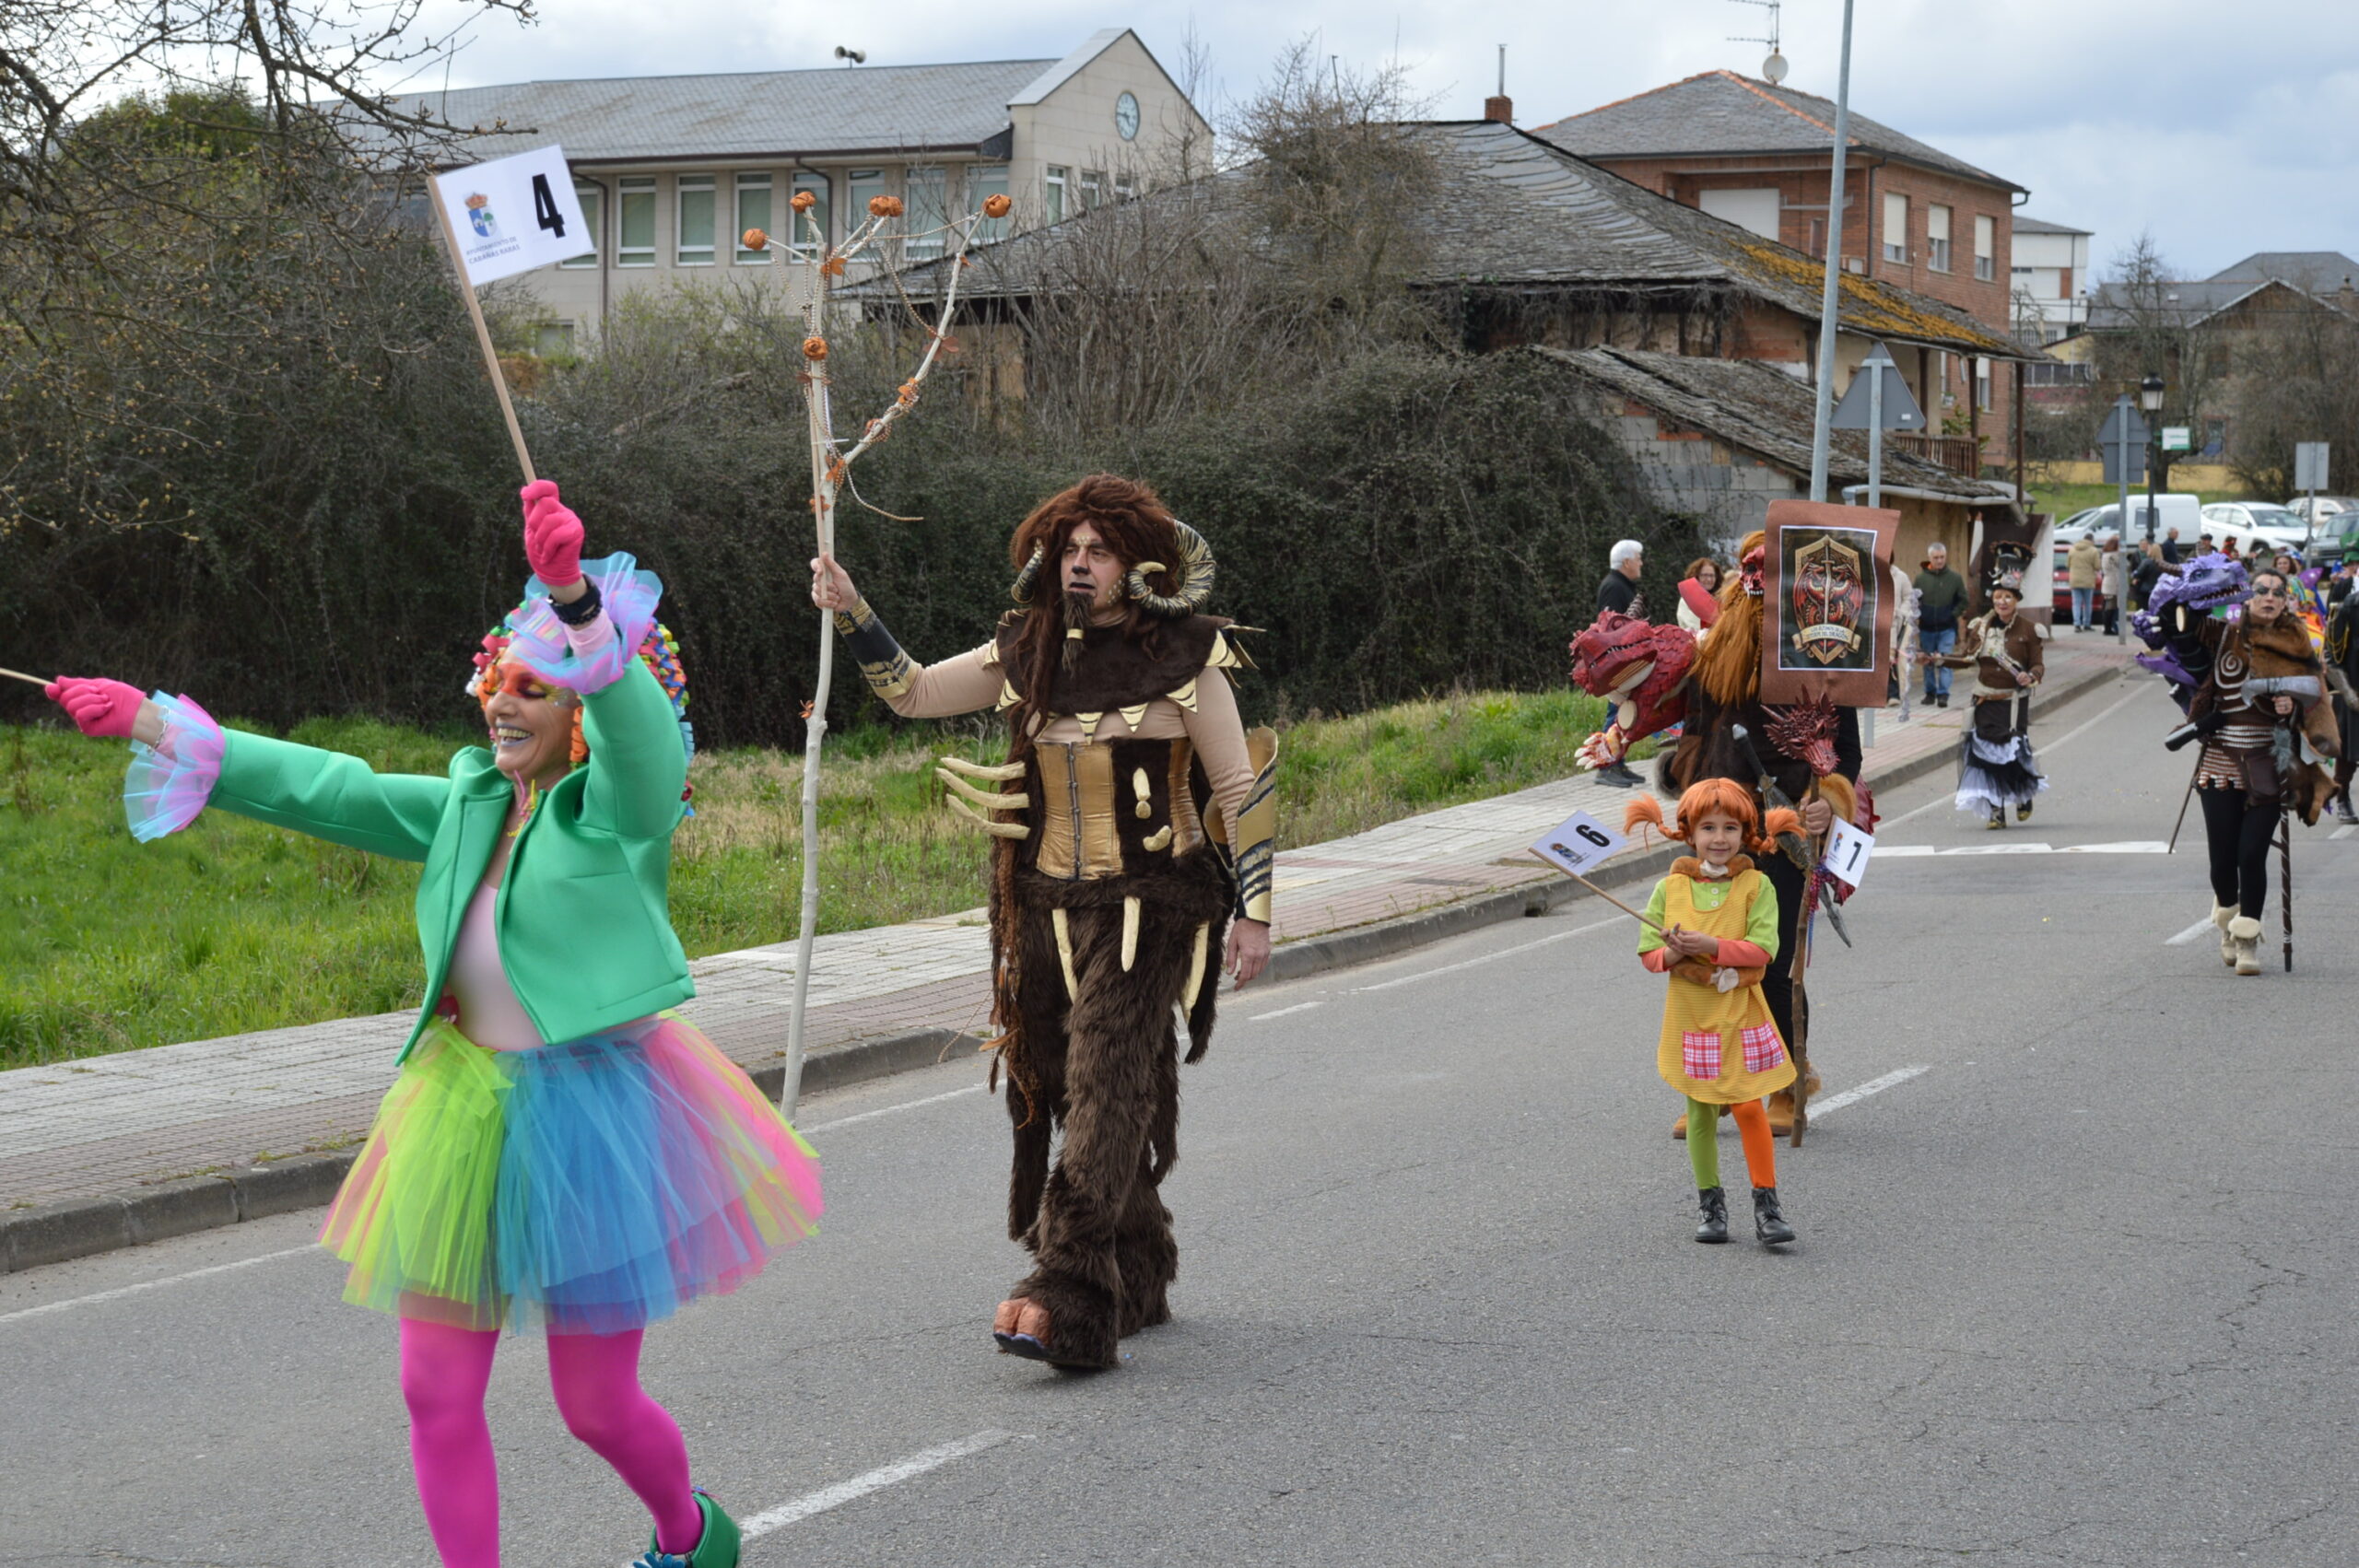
(483, 332)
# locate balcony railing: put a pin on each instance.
(1956, 453)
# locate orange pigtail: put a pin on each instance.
(1781, 820)
(1647, 812)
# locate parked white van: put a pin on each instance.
(2177, 510)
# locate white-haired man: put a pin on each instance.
(1618, 591)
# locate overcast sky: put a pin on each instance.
(2223, 128)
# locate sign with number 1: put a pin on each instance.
(1577, 843)
(1848, 851)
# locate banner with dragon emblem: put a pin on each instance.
(1826, 597)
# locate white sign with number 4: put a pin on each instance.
(1577, 843)
(514, 214)
(1848, 851)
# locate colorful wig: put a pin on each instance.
(1713, 797)
(658, 650)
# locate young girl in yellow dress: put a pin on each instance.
(1713, 929)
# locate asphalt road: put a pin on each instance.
(2080, 1292)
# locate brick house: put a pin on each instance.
(670, 171)
(1759, 157)
(1523, 243)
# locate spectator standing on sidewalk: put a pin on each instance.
(2148, 573)
(1941, 599)
(2080, 570)
(1705, 572)
(1618, 591)
(2170, 546)
(2113, 581)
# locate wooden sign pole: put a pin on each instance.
(483, 332)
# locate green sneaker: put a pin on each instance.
(717, 1547)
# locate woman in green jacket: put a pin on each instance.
(560, 1150)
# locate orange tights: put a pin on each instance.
(1752, 1128)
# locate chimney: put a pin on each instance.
(1500, 109)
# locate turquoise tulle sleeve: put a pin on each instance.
(629, 597)
(169, 784)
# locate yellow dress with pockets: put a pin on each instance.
(1718, 1046)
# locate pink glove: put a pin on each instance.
(98, 708)
(552, 535)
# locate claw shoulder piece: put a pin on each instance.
(1640, 669)
(1257, 829)
(883, 664)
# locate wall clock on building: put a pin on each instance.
(1126, 116)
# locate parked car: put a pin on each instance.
(2327, 506)
(2256, 520)
(2331, 541)
(2098, 518)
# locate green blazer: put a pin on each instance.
(583, 914)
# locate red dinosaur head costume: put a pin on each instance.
(1641, 671)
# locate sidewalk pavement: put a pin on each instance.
(115, 1150)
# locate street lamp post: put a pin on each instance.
(2150, 399)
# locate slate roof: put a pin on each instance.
(2304, 269)
(1513, 212)
(1722, 113)
(2195, 301)
(753, 113)
(2024, 225)
(1762, 411)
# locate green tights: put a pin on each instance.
(1752, 1129)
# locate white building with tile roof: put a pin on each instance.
(671, 170)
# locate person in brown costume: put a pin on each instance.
(1135, 820)
(1996, 766)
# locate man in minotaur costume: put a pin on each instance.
(1134, 821)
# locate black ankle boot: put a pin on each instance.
(1714, 1202)
(1769, 1224)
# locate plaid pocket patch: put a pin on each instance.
(1763, 1049)
(1699, 1052)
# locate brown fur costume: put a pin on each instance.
(1102, 1065)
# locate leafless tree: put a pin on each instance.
(2297, 379)
(2153, 333)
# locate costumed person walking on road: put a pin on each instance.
(560, 1150)
(2343, 680)
(1996, 767)
(2262, 715)
(1137, 821)
(1714, 932)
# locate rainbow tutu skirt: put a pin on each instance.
(588, 1188)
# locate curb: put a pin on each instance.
(57, 1233)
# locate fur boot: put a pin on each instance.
(2244, 935)
(2221, 915)
(1105, 1068)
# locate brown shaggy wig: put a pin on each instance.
(1728, 661)
(1136, 526)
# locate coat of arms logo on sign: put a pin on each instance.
(1829, 591)
(479, 214)
(1826, 603)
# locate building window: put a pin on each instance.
(927, 192)
(753, 212)
(1895, 228)
(1937, 237)
(1093, 188)
(588, 196)
(553, 340)
(984, 181)
(1124, 188)
(1818, 238)
(635, 246)
(1986, 249)
(814, 221)
(695, 248)
(864, 186)
(1982, 385)
(1052, 182)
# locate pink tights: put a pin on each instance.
(595, 1378)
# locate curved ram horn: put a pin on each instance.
(1022, 590)
(1197, 569)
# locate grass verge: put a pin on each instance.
(107, 944)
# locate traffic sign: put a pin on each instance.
(1900, 410)
(2309, 465)
(2178, 439)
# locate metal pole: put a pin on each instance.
(2121, 443)
(1821, 428)
(1876, 435)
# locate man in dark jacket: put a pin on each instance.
(1618, 591)
(1941, 600)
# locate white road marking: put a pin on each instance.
(121, 1290)
(893, 1110)
(2342, 832)
(1926, 851)
(2195, 932)
(1872, 1086)
(860, 1486)
(1488, 957)
(1298, 1007)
